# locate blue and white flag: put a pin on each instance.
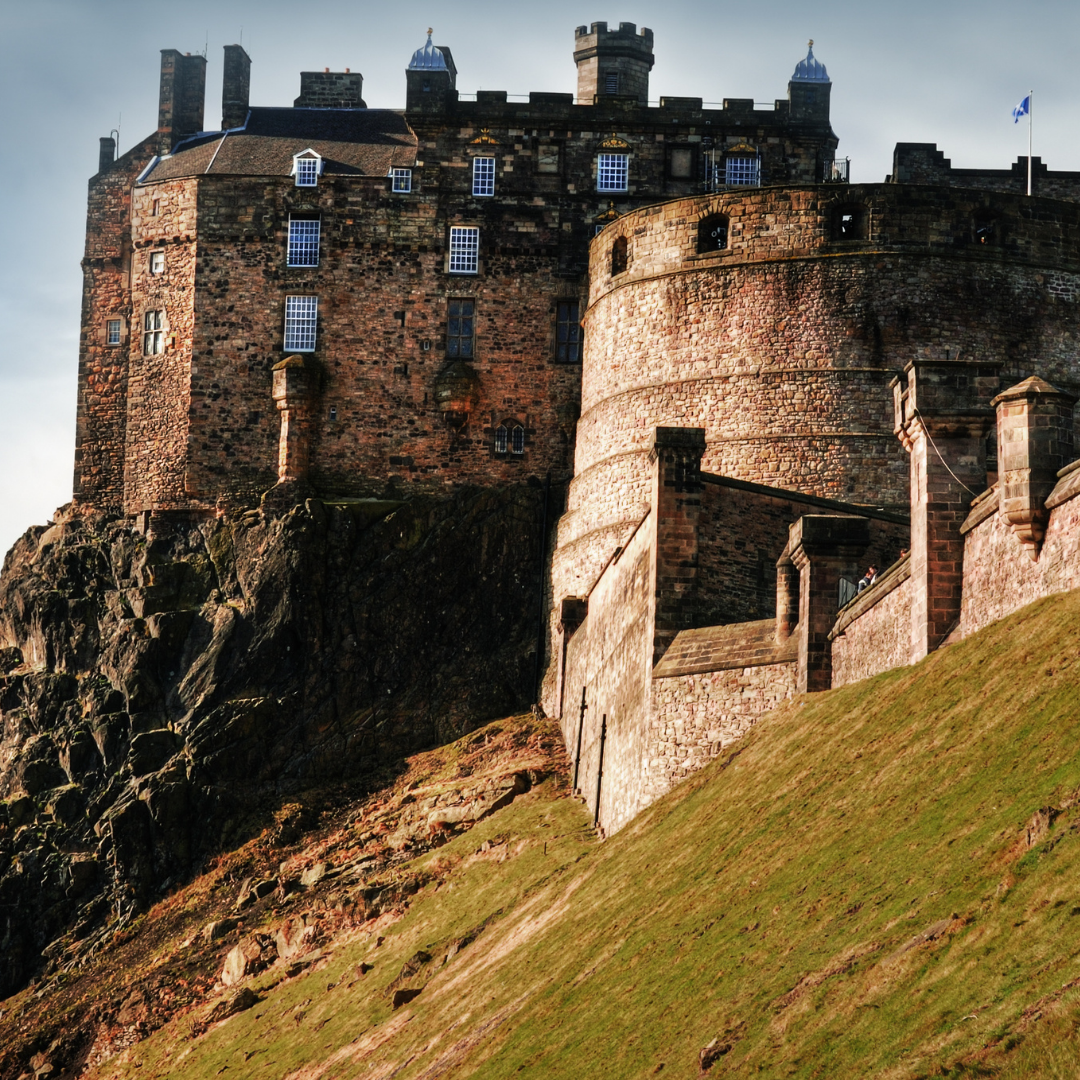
(1023, 109)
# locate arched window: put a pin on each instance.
(510, 438)
(501, 439)
(517, 439)
(712, 233)
(847, 223)
(620, 257)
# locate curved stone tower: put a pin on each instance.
(775, 318)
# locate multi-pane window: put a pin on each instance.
(401, 180)
(510, 438)
(611, 172)
(741, 170)
(112, 331)
(301, 313)
(307, 171)
(517, 439)
(460, 321)
(303, 242)
(464, 249)
(153, 341)
(157, 262)
(483, 176)
(567, 332)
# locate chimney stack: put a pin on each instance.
(181, 98)
(235, 87)
(106, 153)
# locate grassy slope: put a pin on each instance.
(772, 902)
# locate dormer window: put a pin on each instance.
(401, 181)
(307, 166)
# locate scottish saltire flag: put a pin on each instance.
(1023, 109)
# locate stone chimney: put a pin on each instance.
(235, 87)
(328, 89)
(1035, 440)
(613, 62)
(106, 153)
(181, 98)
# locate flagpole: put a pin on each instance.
(1031, 102)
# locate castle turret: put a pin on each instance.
(613, 62)
(809, 89)
(430, 79)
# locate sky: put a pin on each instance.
(948, 72)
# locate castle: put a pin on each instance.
(758, 375)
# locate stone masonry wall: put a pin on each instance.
(878, 640)
(609, 656)
(999, 577)
(696, 716)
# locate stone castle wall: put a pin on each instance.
(881, 639)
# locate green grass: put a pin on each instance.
(769, 903)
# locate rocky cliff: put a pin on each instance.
(164, 693)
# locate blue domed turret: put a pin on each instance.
(428, 58)
(809, 70)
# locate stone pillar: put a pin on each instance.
(675, 456)
(787, 597)
(943, 415)
(295, 387)
(824, 548)
(1035, 440)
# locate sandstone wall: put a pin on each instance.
(610, 657)
(878, 637)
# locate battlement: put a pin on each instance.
(613, 63)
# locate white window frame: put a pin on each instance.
(153, 332)
(307, 168)
(114, 330)
(301, 323)
(464, 249)
(401, 181)
(483, 176)
(304, 236)
(157, 262)
(612, 172)
(742, 170)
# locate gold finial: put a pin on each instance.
(810, 46)
(430, 32)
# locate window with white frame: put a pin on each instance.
(483, 176)
(306, 170)
(303, 241)
(157, 262)
(112, 331)
(611, 172)
(153, 341)
(464, 249)
(401, 181)
(301, 313)
(742, 170)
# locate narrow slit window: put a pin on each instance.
(611, 82)
(112, 332)
(401, 181)
(501, 439)
(464, 249)
(153, 333)
(611, 172)
(483, 176)
(620, 256)
(301, 314)
(460, 325)
(517, 439)
(568, 332)
(303, 242)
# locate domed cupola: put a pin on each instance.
(809, 70)
(428, 58)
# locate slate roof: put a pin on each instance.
(352, 142)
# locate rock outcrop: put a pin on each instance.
(164, 692)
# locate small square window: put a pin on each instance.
(611, 172)
(401, 180)
(460, 324)
(301, 315)
(303, 242)
(153, 333)
(112, 332)
(307, 172)
(157, 262)
(568, 332)
(741, 171)
(483, 176)
(464, 249)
